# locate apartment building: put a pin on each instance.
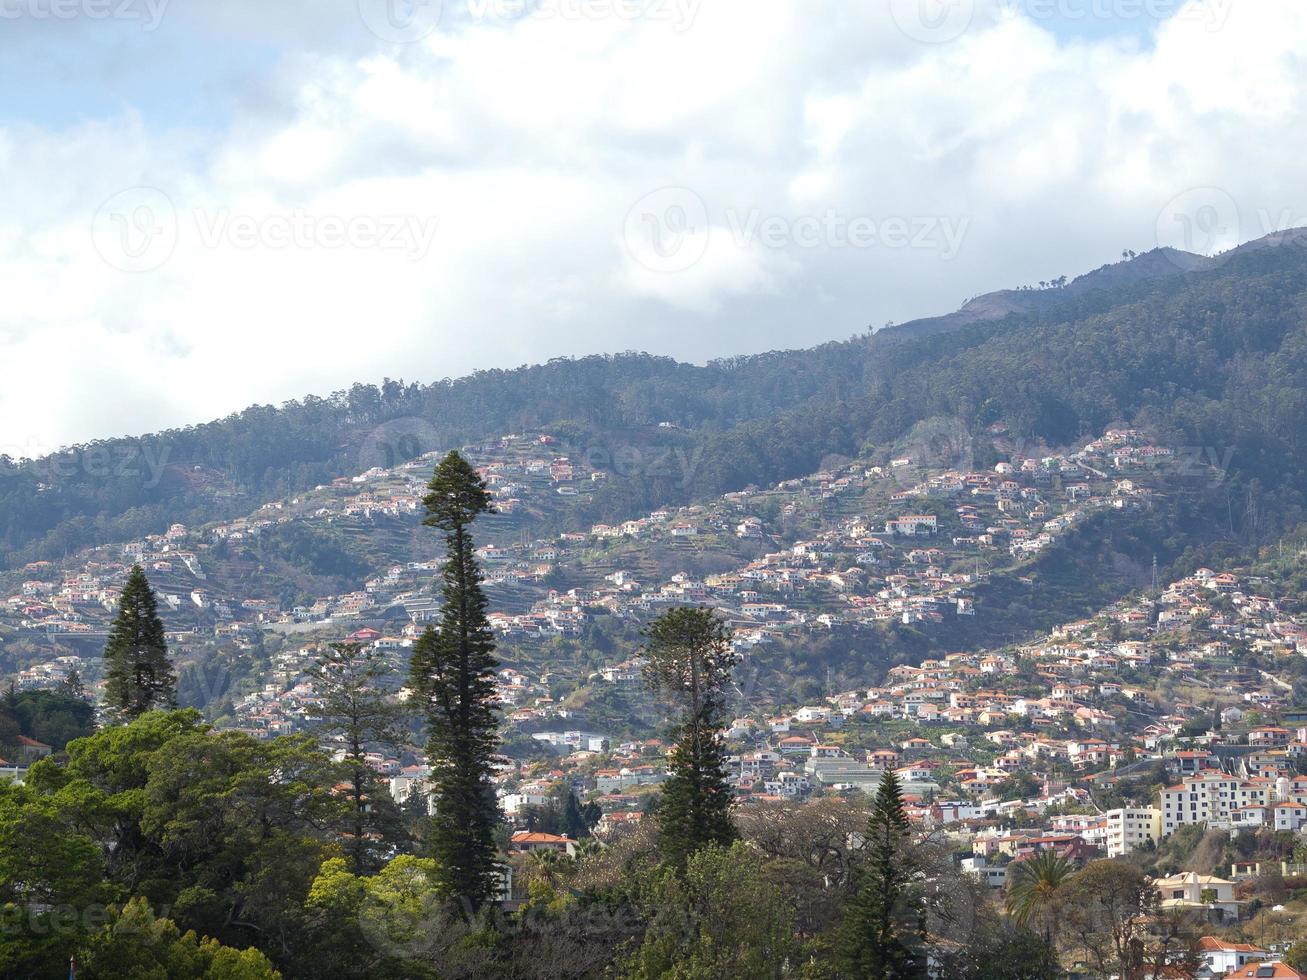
(1207, 797)
(1130, 828)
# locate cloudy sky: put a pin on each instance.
(211, 203)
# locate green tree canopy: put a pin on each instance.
(689, 662)
(452, 675)
(138, 675)
(883, 931)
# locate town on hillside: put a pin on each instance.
(1163, 718)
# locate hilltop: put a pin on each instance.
(1204, 350)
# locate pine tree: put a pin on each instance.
(452, 676)
(138, 675)
(361, 713)
(885, 916)
(690, 662)
(71, 686)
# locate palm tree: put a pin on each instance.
(1034, 886)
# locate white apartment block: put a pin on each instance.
(1130, 828)
(1212, 797)
(1205, 798)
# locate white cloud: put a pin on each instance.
(527, 145)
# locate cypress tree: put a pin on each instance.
(690, 662)
(885, 914)
(452, 676)
(138, 674)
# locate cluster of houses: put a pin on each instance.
(858, 545)
(916, 561)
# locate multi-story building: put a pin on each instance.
(1129, 828)
(1207, 797)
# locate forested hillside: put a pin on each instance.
(1213, 359)
(1214, 362)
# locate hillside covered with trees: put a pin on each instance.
(1212, 358)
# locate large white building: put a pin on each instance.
(1130, 828)
(1222, 801)
(1207, 797)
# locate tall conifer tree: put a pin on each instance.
(690, 662)
(886, 916)
(452, 675)
(358, 710)
(138, 674)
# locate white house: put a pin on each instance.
(1222, 957)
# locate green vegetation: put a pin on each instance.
(453, 679)
(1034, 890)
(163, 848)
(883, 933)
(564, 814)
(690, 663)
(135, 944)
(52, 717)
(1211, 361)
(358, 710)
(138, 675)
(223, 830)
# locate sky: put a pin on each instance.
(208, 204)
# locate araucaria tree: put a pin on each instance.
(452, 676)
(138, 675)
(358, 712)
(886, 916)
(690, 661)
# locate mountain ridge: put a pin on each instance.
(750, 419)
